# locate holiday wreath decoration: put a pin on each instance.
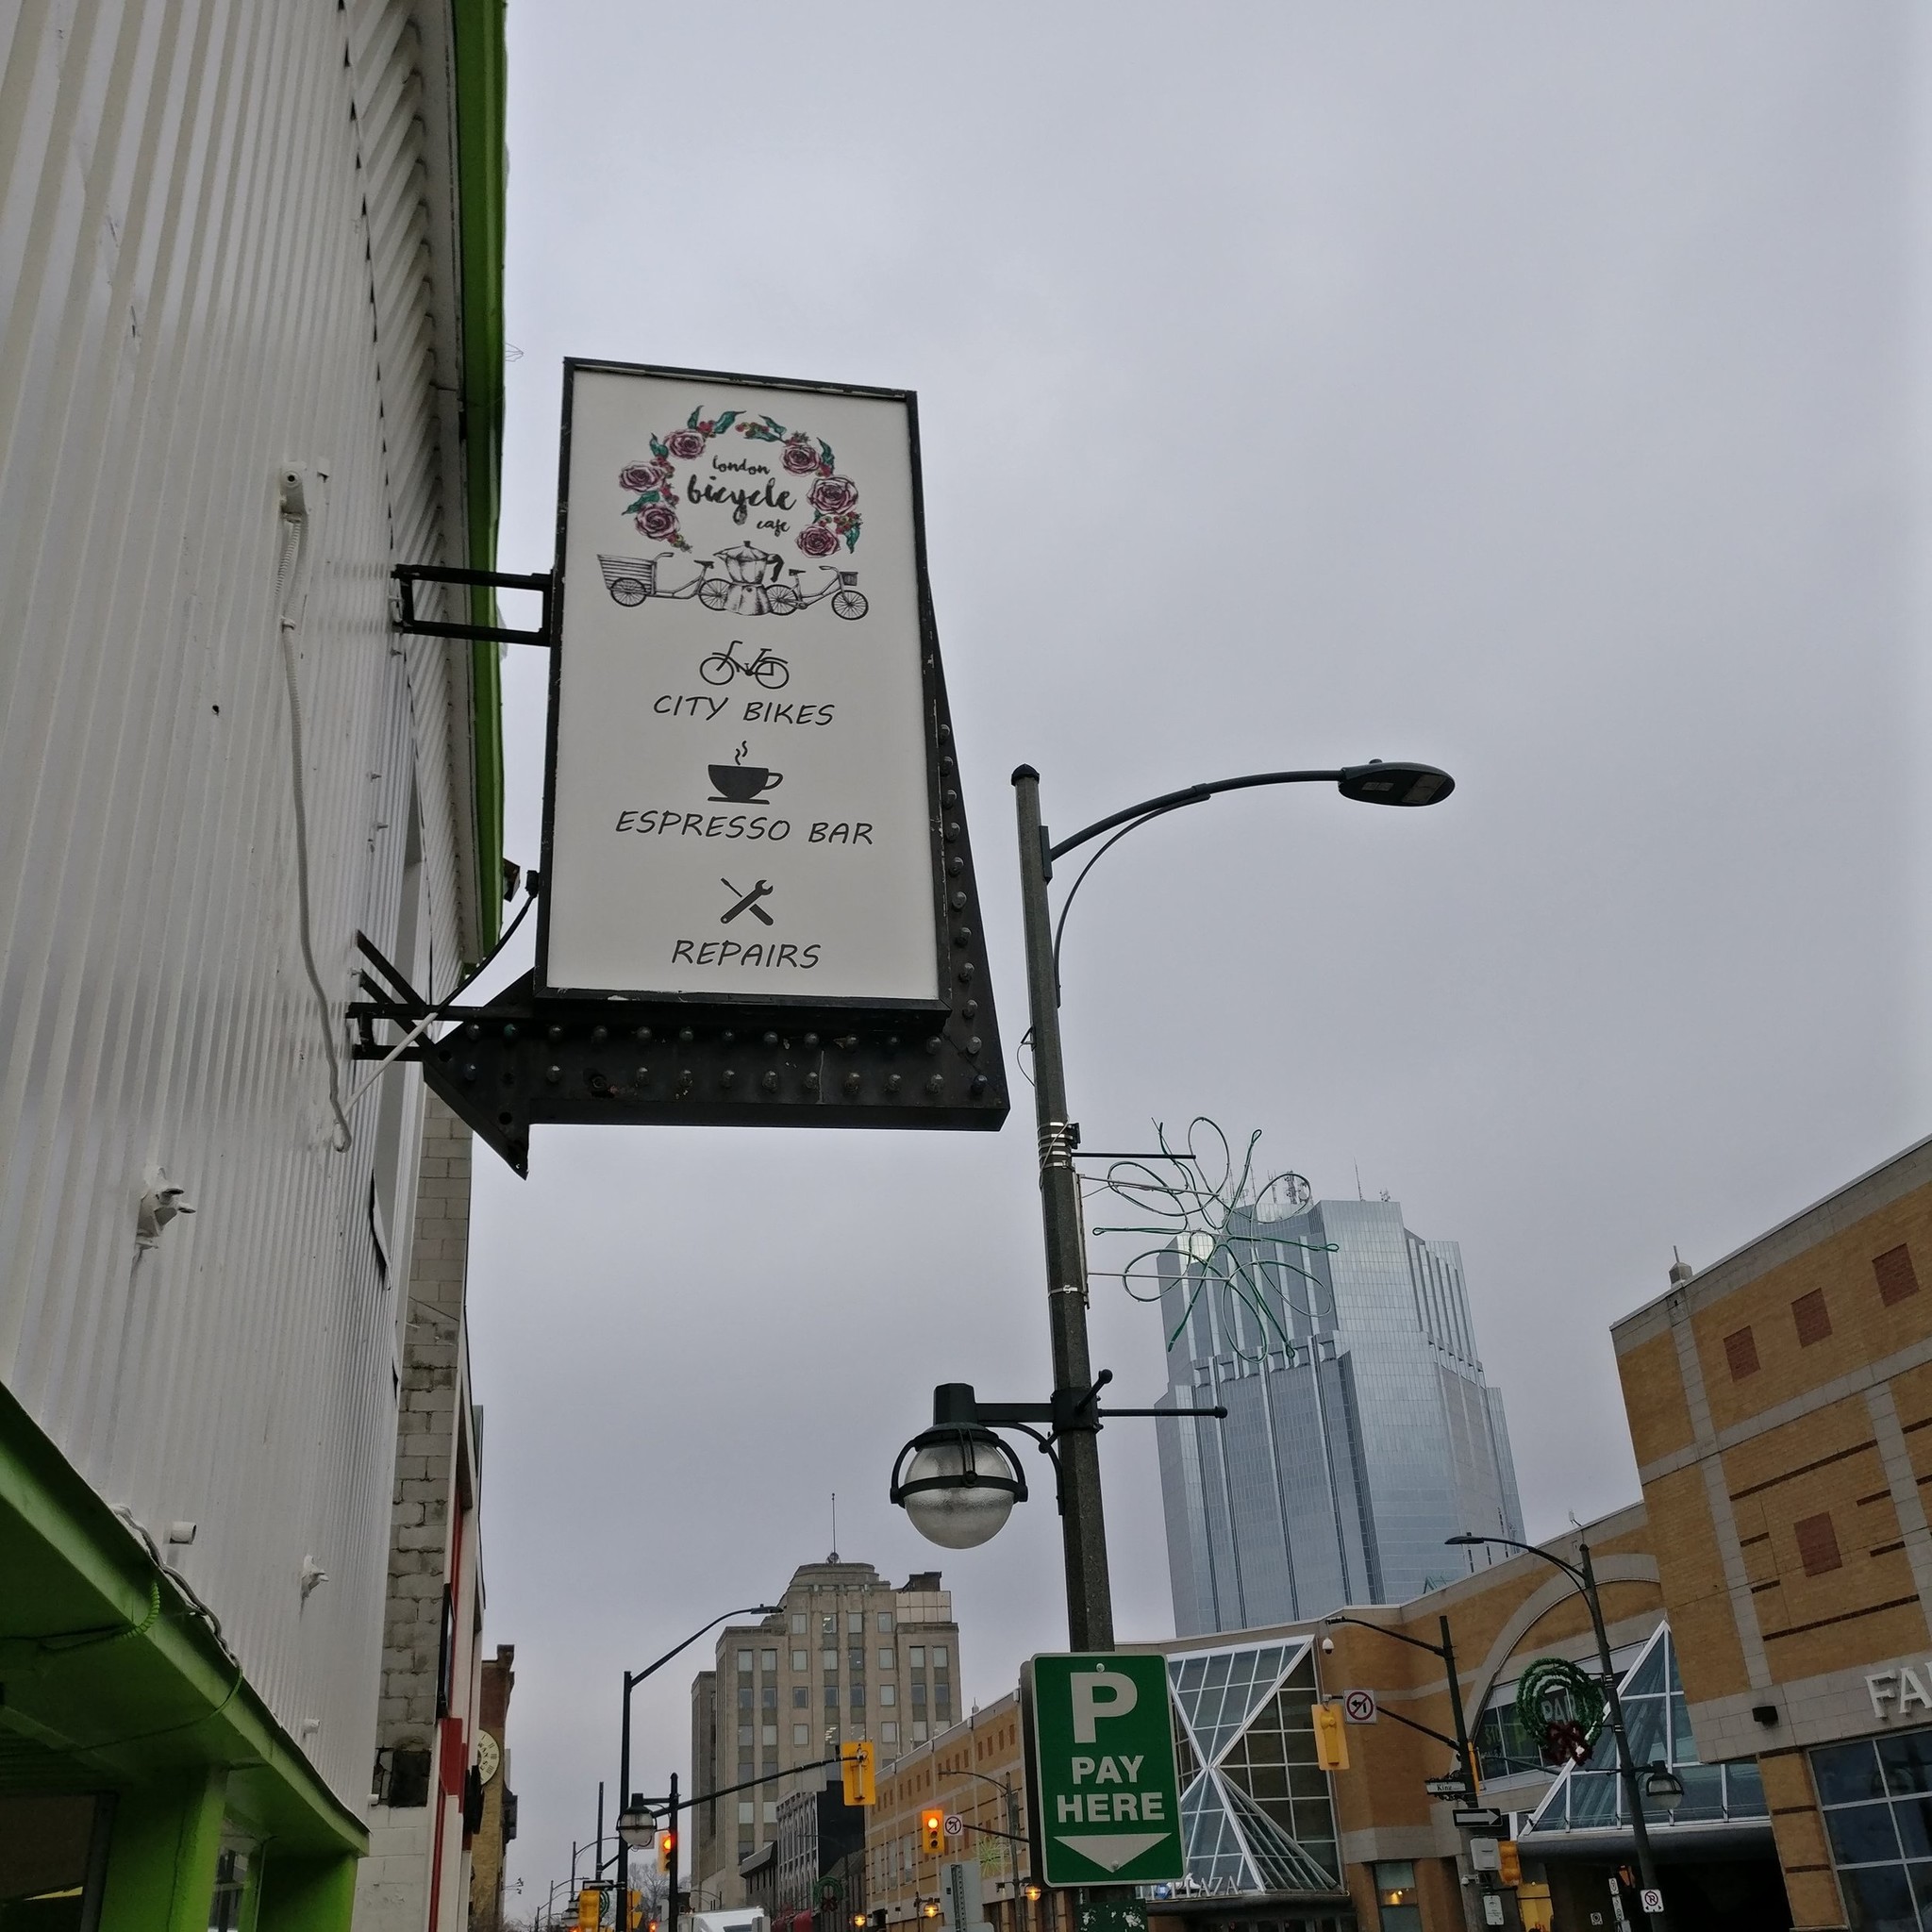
(653, 486)
(1561, 1706)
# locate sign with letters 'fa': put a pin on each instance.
(1104, 1769)
(749, 798)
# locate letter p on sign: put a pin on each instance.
(1100, 1694)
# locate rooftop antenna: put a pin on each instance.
(1358, 1194)
(834, 1556)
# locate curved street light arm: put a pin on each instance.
(1137, 818)
(1400, 1635)
(1472, 1542)
(1191, 794)
(633, 1678)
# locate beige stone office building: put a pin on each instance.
(849, 1656)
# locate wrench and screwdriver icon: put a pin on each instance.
(748, 902)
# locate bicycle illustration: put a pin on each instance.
(748, 586)
(720, 667)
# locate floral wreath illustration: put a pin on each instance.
(834, 498)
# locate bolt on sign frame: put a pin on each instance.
(758, 901)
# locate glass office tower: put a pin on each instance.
(1360, 1432)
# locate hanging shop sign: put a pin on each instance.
(758, 902)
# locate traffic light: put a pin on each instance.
(1508, 1862)
(1331, 1740)
(856, 1766)
(634, 1918)
(590, 1909)
(667, 1849)
(932, 1830)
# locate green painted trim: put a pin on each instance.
(161, 1853)
(111, 1672)
(307, 1894)
(482, 179)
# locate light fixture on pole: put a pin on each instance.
(637, 1826)
(1664, 1784)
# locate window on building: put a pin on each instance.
(889, 1660)
(831, 1695)
(828, 1624)
(1395, 1895)
(801, 1696)
(801, 1734)
(746, 1810)
(919, 1690)
(916, 1658)
(854, 1623)
(1896, 1277)
(888, 1733)
(855, 1656)
(745, 1734)
(942, 1702)
(1817, 1545)
(798, 1622)
(918, 1730)
(801, 1659)
(768, 1659)
(768, 1696)
(771, 1811)
(1873, 1797)
(884, 1623)
(857, 1696)
(889, 1694)
(744, 1660)
(829, 1660)
(940, 1657)
(768, 1734)
(1812, 1317)
(744, 1697)
(1741, 1352)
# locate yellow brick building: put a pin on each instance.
(1779, 1405)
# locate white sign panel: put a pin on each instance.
(742, 769)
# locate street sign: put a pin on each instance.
(1358, 1706)
(955, 1824)
(1651, 1900)
(1104, 1769)
(1479, 1819)
(1445, 1787)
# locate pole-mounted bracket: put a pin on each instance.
(408, 575)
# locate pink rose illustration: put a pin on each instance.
(659, 520)
(818, 540)
(833, 494)
(799, 459)
(686, 444)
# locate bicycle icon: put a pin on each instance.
(720, 667)
(749, 585)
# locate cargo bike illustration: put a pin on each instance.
(749, 584)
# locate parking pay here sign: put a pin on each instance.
(1103, 1766)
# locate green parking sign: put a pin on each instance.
(1104, 1769)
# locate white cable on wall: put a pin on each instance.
(292, 590)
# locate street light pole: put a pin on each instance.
(1083, 1524)
(1583, 1574)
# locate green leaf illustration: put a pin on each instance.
(695, 415)
(852, 536)
(630, 510)
(659, 449)
(724, 422)
(826, 451)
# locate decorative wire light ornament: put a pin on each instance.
(1201, 1214)
(1561, 1706)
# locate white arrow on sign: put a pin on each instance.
(1358, 1706)
(1111, 1850)
(955, 1824)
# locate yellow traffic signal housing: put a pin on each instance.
(667, 1849)
(590, 1909)
(1331, 1739)
(634, 1917)
(932, 1830)
(1509, 1862)
(856, 1766)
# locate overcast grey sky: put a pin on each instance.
(1532, 390)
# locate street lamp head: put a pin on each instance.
(1400, 783)
(1465, 1542)
(636, 1826)
(958, 1483)
(1664, 1785)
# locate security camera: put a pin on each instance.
(1327, 1646)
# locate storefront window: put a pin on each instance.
(1395, 1898)
(1876, 1797)
(45, 1844)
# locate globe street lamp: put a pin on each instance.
(1076, 1414)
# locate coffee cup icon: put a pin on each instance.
(740, 784)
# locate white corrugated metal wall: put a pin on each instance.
(227, 244)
